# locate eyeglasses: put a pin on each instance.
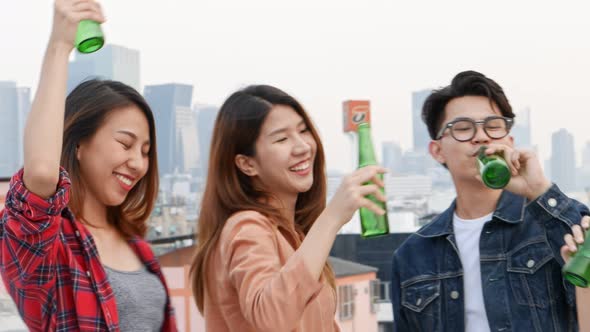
(464, 129)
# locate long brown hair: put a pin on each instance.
(228, 190)
(87, 107)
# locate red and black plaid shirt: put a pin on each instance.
(51, 268)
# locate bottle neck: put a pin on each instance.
(366, 152)
(484, 159)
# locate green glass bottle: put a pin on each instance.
(372, 224)
(577, 270)
(493, 169)
(89, 36)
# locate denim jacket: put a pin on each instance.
(520, 259)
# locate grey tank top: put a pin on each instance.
(141, 299)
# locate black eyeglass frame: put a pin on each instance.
(450, 124)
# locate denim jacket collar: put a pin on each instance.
(510, 209)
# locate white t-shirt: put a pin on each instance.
(467, 234)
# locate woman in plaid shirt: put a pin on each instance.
(61, 250)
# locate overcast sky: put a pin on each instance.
(327, 51)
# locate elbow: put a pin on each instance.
(41, 179)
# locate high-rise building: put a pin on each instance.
(392, 156)
(420, 132)
(187, 140)
(586, 155)
(111, 62)
(23, 97)
(171, 104)
(563, 160)
(9, 129)
(522, 129)
(416, 162)
(583, 175)
(205, 117)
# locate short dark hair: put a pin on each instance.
(467, 83)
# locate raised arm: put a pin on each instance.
(44, 129)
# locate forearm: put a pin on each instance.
(44, 128)
(318, 242)
(583, 303)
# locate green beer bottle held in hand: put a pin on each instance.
(89, 36)
(577, 270)
(493, 169)
(372, 224)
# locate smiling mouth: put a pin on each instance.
(124, 180)
(303, 166)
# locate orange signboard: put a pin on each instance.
(355, 112)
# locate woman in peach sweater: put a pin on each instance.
(265, 232)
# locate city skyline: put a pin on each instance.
(186, 130)
(170, 103)
(563, 168)
(373, 50)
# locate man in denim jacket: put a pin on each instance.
(491, 261)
